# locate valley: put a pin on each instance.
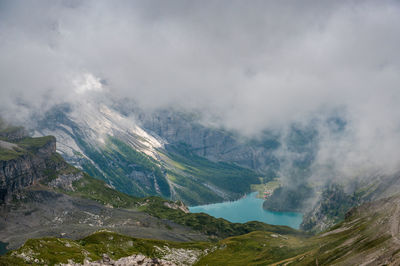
(199, 133)
(60, 214)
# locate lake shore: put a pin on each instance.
(249, 208)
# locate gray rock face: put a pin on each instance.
(334, 201)
(213, 143)
(25, 170)
(65, 181)
(126, 261)
(178, 205)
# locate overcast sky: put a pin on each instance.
(253, 64)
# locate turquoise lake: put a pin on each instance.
(247, 209)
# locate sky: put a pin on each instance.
(250, 64)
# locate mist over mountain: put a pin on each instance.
(245, 67)
(126, 115)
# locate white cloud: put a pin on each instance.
(252, 64)
(86, 83)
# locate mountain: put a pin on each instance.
(337, 198)
(112, 146)
(209, 141)
(176, 155)
(43, 196)
(52, 213)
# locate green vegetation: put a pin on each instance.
(94, 189)
(10, 154)
(256, 248)
(288, 198)
(195, 179)
(363, 235)
(201, 181)
(117, 162)
(191, 191)
(52, 251)
(120, 246)
(24, 146)
(365, 230)
(207, 224)
(90, 188)
(230, 177)
(33, 144)
(143, 163)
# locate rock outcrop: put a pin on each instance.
(210, 142)
(131, 260)
(331, 208)
(27, 168)
(178, 205)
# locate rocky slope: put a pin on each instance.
(213, 143)
(336, 199)
(113, 146)
(24, 161)
(369, 235)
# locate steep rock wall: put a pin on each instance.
(26, 169)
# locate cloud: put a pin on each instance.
(252, 64)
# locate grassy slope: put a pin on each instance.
(7, 154)
(208, 224)
(97, 190)
(116, 161)
(256, 248)
(189, 173)
(54, 250)
(192, 174)
(224, 175)
(25, 146)
(363, 236)
(365, 231)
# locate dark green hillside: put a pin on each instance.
(118, 163)
(97, 190)
(226, 176)
(208, 224)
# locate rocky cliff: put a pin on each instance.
(331, 208)
(210, 142)
(336, 199)
(28, 162)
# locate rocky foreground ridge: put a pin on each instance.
(369, 235)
